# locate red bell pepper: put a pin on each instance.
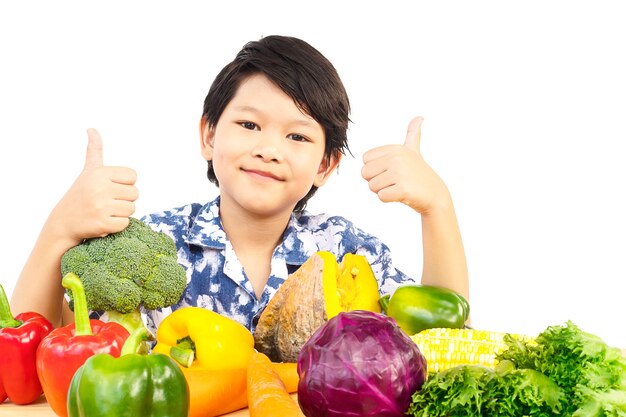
(67, 348)
(19, 338)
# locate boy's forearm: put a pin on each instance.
(444, 256)
(39, 285)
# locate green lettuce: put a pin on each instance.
(454, 392)
(588, 370)
(564, 371)
(473, 391)
(610, 403)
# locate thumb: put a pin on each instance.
(94, 150)
(413, 134)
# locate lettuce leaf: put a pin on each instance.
(611, 403)
(523, 392)
(471, 390)
(580, 363)
(455, 392)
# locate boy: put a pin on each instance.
(273, 129)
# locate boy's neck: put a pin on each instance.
(254, 233)
(254, 240)
(247, 231)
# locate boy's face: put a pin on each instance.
(266, 152)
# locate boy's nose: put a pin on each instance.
(268, 148)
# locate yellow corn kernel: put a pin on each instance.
(445, 348)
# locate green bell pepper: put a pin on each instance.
(419, 307)
(135, 384)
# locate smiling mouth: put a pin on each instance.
(262, 174)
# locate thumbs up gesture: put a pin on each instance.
(399, 173)
(100, 200)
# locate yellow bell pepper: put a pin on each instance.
(200, 338)
(349, 285)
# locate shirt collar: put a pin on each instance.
(206, 228)
(297, 244)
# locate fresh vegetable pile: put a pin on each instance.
(326, 334)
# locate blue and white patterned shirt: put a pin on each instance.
(215, 277)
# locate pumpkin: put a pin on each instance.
(319, 290)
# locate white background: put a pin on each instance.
(525, 120)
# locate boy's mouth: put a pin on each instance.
(262, 174)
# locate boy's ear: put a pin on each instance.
(327, 166)
(207, 134)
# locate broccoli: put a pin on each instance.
(123, 271)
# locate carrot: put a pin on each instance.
(215, 392)
(267, 395)
(288, 373)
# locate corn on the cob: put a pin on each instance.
(445, 348)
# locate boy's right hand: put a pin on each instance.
(101, 199)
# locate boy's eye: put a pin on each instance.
(297, 137)
(249, 125)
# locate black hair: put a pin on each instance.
(303, 73)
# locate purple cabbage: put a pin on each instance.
(359, 364)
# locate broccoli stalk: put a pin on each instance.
(124, 271)
(131, 321)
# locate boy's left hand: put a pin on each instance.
(399, 173)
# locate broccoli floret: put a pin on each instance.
(123, 271)
(160, 290)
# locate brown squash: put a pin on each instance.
(317, 291)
